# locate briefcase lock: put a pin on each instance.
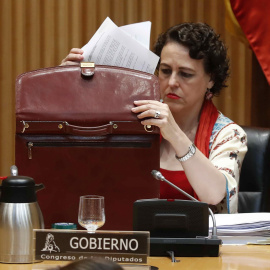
(87, 68)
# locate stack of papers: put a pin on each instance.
(244, 224)
(126, 46)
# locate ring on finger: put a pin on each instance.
(157, 114)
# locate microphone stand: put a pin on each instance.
(157, 175)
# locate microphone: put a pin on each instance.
(158, 175)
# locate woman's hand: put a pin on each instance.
(74, 57)
(155, 113)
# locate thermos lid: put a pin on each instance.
(19, 189)
(18, 181)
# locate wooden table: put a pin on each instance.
(244, 257)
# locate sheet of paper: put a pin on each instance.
(110, 45)
(107, 25)
(139, 31)
(241, 218)
(244, 224)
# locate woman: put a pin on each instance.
(201, 150)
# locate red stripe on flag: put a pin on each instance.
(254, 19)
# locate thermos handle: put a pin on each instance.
(39, 187)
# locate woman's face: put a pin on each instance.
(183, 81)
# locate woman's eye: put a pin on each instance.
(166, 71)
(185, 74)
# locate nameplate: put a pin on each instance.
(72, 245)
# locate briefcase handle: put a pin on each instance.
(89, 131)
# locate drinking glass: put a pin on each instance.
(91, 212)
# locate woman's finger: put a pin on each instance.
(76, 51)
(153, 113)
(73, 58)
(142, 108)
(152, 122)
(144, 102)
(69, 63)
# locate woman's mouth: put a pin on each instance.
(173, 96)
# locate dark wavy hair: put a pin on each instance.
(203, 43)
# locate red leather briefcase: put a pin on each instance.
(76, 134)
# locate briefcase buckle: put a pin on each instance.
(87, 68)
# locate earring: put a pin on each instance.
(208, 94)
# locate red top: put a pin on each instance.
(179, 179)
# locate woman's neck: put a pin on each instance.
(188, 123)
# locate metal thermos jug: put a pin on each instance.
(19, 215)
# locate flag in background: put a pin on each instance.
(232, 24)
(254, 19)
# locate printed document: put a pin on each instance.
(242, 224)
(126, 46)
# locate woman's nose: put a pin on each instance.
(173, 81)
